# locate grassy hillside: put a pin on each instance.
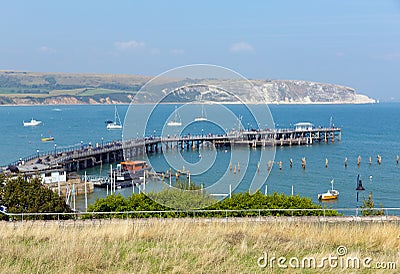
(191, 246)
(24, 87)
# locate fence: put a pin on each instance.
(348, 215)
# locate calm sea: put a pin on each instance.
(367, 130)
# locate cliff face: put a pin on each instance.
(27, 88)
(305, 92)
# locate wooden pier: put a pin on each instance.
(82, 157)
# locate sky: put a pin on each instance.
(353, 43)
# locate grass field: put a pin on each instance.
(198, 246)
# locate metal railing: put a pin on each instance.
(347, 214)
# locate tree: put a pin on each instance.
(368, 207)
(19, 195)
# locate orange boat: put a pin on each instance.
(129, 172)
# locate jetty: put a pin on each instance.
(82, 157)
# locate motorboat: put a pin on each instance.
(47, 139)
(129, 173)
(32, 123)
(331, 194)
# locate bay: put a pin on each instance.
(367, 131)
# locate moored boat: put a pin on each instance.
(47, 139)
(117, 121)
(129, 173)
(331, 194)
(176, 122)
(203, 116)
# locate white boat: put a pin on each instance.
(32, 123)
(331, 194)
(117, 121)
(176, 122)
(203, 116)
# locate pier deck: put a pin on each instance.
(82, 157)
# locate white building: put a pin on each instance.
(54, 177)
(302, 126)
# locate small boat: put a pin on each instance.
(117, 121)
(203, 116)
(32, 123)
(176, 122)
(331, 194)
(47, 139)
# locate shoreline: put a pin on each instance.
(205, 103)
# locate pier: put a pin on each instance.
(82, 157)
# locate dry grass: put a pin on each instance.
(183, 245)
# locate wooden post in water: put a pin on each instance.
(291, 162)
(359, 160)
(269, 164)
(303, 162)
(326, 162)
(397, 159)
(345, 162)
(379, 160)
(370, 160)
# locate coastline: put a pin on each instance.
(222, 102)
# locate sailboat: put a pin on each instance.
(203, 116)
(117, 121)
(176, 122)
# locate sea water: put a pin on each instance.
(367, 131)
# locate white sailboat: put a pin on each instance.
(176, 122)
(203, 116)
(117, 121)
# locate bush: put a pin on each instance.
(22, 196)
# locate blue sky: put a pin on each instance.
(354, 43)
